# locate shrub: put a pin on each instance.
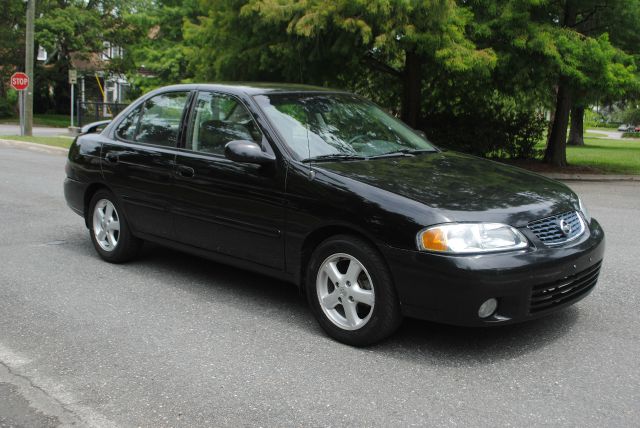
(593, 119)
(631, 135)
(9, 105)
(491, 132)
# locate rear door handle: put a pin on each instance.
(186, 171)
(112, 157)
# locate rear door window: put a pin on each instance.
(161, 118)
(128, 127)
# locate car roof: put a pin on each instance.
(253, 88)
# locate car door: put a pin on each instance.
(139, 161)
(235, 209)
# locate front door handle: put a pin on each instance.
(111, 157)
(186, 171)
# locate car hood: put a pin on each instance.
(463, 187)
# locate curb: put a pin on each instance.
(34, 146)
(592, 177)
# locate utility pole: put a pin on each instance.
(28, 67)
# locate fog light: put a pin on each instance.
(487, 308)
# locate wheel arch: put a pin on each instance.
(321, 234)
(88, 195)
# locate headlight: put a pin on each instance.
(471, 238)
(584, 211)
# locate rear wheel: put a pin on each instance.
(109, 229)
(350, 291)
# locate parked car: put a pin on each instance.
(626, 128)
(324, 189)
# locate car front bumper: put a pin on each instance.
(527, 284)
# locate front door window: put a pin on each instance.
(218, 119)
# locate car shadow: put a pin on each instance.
(448, 345)
(416, 340)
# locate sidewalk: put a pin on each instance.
(38, 131)
(614, 134)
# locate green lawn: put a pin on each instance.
(49, 141)
(610, 156)
(53, 120)
(592, 135)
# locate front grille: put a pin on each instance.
(547, 296)
(549, 230)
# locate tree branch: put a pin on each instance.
(376, 64)
(589, 15)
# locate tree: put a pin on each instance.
(545, 44)
(576, 129)
(160, 52)
(330, 41)
(11, 50)
(70, 29)
(619, 21)
(590, 65)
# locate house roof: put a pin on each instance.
(87, 62)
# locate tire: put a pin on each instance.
(109, 229)
(356, 313)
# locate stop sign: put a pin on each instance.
(19, 81)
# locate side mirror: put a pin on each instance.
(247, 152)
(93, 127)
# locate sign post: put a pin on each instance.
(21, 111)
(73, 79)
(20, 82)
(28, 65)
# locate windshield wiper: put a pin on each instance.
(334, 156)
(402, 152)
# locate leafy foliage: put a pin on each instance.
(160, 53)
(333, 42)
(475, 75)
(631, 115)
(11, 52)
(78, 29)
(497, 128)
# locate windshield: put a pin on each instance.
(338, 125)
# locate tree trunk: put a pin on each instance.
(411, 89)
(556, 153)
(576, 132)
(552, 115)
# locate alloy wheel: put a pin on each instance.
(345, 291)
(106, 225)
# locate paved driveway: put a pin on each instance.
(173, 340)
(613, 134)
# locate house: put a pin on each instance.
(96, 83)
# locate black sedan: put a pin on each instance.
(324, 189)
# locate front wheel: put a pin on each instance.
(350, 291)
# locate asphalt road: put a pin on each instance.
(172, 340)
